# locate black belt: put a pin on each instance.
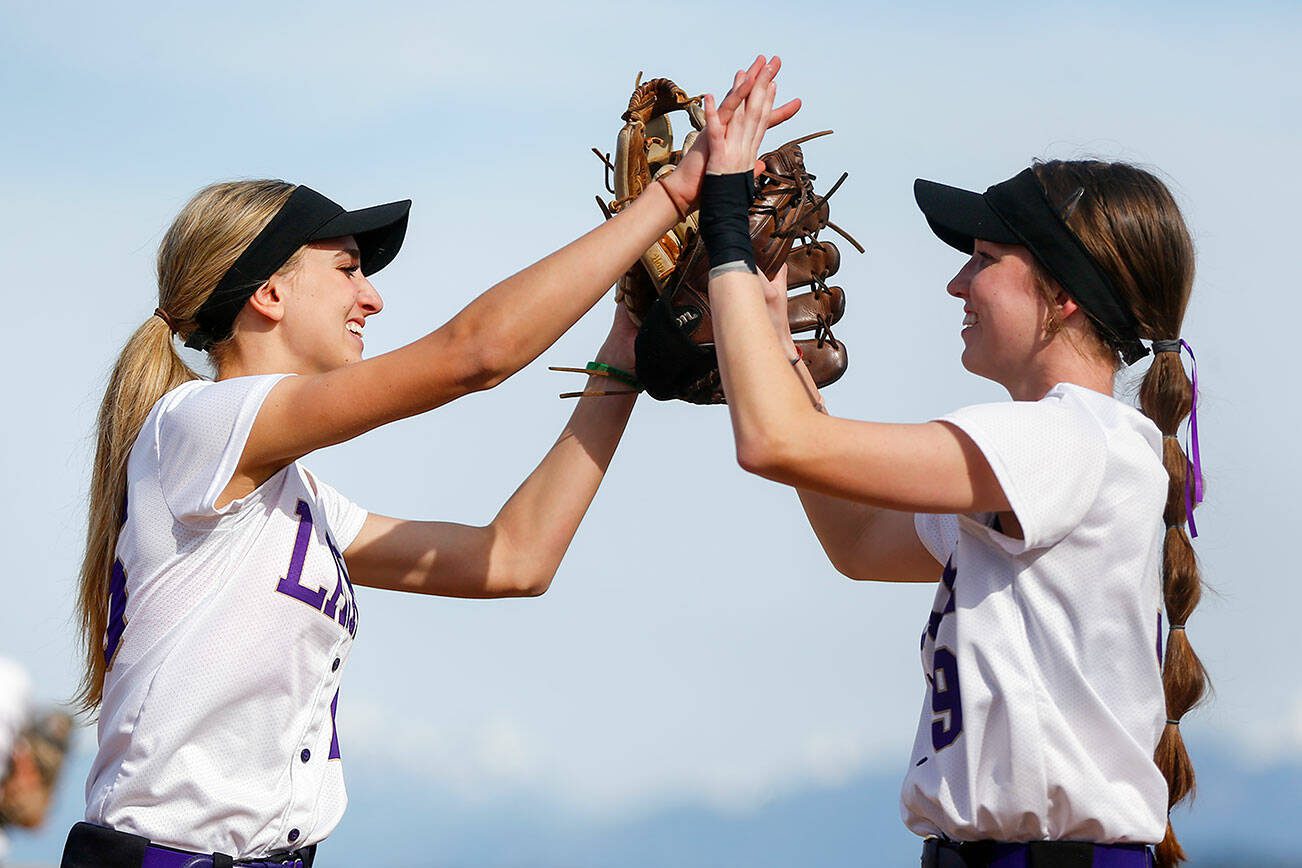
(91, 846)
(938, 853)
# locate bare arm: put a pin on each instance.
(859, 482)
(518, 553)
(862, 541)
(930, 467)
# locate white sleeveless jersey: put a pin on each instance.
(1044, 695)
(229, 629)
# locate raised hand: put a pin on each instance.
(734, 143)
(684, 184)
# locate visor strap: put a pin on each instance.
(304, 212)
(167, 318)
(1023, 205)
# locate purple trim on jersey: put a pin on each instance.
(1010, 856)
(1122, 856)
(334, 728)
(117, 614)
(158, 857)
(1104, 856)
(163, 857)
(289, 585)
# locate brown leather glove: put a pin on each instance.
(675, 347)
(666, 292)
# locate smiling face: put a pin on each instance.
(327, 301)
(1005, 312)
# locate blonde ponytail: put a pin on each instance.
(147, 369)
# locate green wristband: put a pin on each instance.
(615, 373)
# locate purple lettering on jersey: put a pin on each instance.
(332, 604)
(117, 613)
(289, 585)
(348, 614)
(933, 622)
(352, 614)
(946, 704)
(334, 728)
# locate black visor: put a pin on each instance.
(1017, 211)
(306, 216)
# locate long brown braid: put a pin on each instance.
(1130, 223)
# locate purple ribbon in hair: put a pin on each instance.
(1193, 488)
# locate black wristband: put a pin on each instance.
(725, 218)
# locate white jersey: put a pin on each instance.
(229, 629)
(1042, 655)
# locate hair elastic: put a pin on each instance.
(682, 215)
(601, 369)
(1176, 627)
(1167, 346)
(1173, 722)
(167, 318)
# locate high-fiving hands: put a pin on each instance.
(737, 124)
(734, 135)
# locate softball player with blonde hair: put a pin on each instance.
(217, 600)
(1055, 523)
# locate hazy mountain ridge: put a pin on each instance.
(1243, 816)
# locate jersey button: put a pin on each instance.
(305, 755)
(334, 667)
(293, 835)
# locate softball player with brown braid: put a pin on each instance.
(1049, 733)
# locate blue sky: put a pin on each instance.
(695, 644)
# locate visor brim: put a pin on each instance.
(958, 216)
(378, 231)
